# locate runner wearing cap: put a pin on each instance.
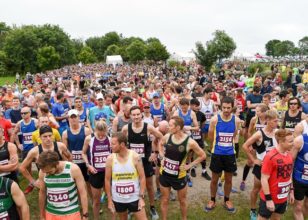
(43, 120)
(74, 138)
(158, 110)
(94, 111)
(276, 177)
(62, 187)
(47, 145)
(59, 110)
(125, 180)
(138, 133)
(95, 151)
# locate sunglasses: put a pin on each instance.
(24, 113)
(293, 103)
(146, 107)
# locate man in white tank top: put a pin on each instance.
(125, 180)
(301, 128)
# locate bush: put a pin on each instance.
(252, 68)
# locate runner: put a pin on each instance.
(59, 110)
(32, 156)
(8, 158)
(262, 141)
(121, 120)
(62, 187)
(256, 124)
(74, 138)
(293, 116)
(282, 105)
(158, 110)
(300, 177)
(138, 135)
(95, 151)
(42, 121)
(173, 150)
(26, 126)
(223, 128)
(276, 177)
(14, 205)
(125, 181)
(197, 135)
(82, 112)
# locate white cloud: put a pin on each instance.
(177, 23)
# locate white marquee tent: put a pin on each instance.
(114, 60)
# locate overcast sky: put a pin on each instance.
(177, 23)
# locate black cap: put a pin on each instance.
(44, 129)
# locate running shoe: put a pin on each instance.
(172, 196)
(210, 206)
(234, 190)
(242, 186)
(154, 214)
(157, 195)
(129, 215)
(189, 182)
(253, 215)
(193, 172)
(229, 206)
(103, 197)
(220, 192)
(29, 189)
(206, 176)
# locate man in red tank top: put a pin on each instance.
(276, 177)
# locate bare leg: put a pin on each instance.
(182, 195)
(165, 192)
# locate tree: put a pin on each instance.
(303, 45)
(136, 51)
(95, 43)
(111, 38)
(156, 51)
(3, 61)
(87, 55)
(284, 48)
(220, 47)
(48, 58)
(77, 45)
(4, 29)
(112, 50)
(270, 47)
(21, 46)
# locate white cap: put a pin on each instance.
(99, 96)
(72, 112)
(25, 91)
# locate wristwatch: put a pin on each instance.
(86, 215)
(141, 196)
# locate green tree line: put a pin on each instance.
(278, 48)
(32, 48)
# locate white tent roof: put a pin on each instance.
(115, 59)
(183, 56)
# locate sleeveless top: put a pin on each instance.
(305, 126)
(175, 156)
(8, 210)
(258, 125)
(62, 195)
(208, 110)
(139, 142)
(99, 150)
(125, 186)
(27, 130)
(158, 113)
(187, 117)
(55, 149)
(290, 122)
(122, 123)
(75, 144)
(300, 172)
(83, 117)
(223, 136)
(267, 144)
(4, 160)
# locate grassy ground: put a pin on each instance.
(7, 79)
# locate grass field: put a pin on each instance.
(5, 79)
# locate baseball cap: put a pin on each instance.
(99, 96)
(25, 91)
(300, 85)
(155, 95)
(72, 112)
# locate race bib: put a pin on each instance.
(305, 172)
(159, 117)
(77, 157)
(4, 216)
(125, 189)
(283, 189)
(27, 138)
(4, 162)
(58, 198)
(208, 116)
(138, 148)
(171, 166)
(225, 139)
(196, 135)
(100, 159)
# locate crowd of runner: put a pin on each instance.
(129, 132)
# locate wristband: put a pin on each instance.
(268, 197)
